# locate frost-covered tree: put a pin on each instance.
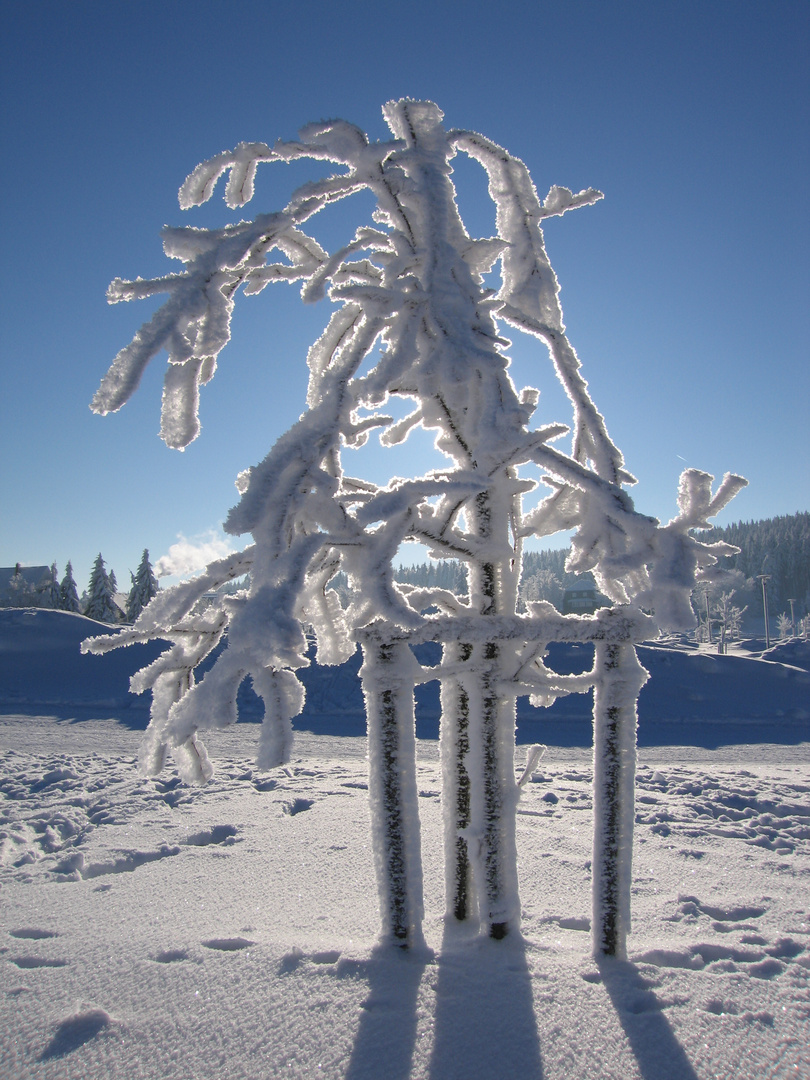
(785, 626)
(728, 617)
(711, 603)
(20, 591)
(416, 325)
(144, 587)
(50, 592)
(68, 594)
(542, 585)
(100, 604)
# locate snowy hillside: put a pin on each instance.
(40, 665)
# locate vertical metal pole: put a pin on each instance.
(455, 748)
(392, 788)
(763, 578)
(619, 678)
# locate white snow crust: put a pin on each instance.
(151, 928)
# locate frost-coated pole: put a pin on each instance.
(493, 792)
(395, 834)
(492, 744)
(455, 748)
(619, 678)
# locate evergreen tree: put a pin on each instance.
(144, 587)
(778, 546)
(20, 592)
(100, 605)
(542, 585)
(51, 594)
(68, 594)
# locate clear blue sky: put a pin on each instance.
(685, 291)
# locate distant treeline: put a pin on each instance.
(449, 574)
(445, 574)
(778, 547)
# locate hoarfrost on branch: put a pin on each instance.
(414, 319)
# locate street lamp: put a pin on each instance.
(708, 616)
(763, 578)
(792, 617)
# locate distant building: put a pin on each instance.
(583, 598)
(19, 585)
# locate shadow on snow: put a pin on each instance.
(653, 1042)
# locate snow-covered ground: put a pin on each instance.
(150, 929)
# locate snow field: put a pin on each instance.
(152, 929)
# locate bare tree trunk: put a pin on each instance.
(619, 678)
(395, 831)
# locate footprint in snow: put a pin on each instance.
(330, 956)
(75, 869)
(218, 834)
(171, 956)
(33, 933)
(291, 960)
(28, 963)
(690, 905)
(174, 798)
(719, 1007)
(75, 1031)
(60, 776)
(297, 806)
(758, 963)
(233, 944)
(574, 924)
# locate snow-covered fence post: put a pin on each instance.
(454, 735)
(618, 679)
(495, 795)
(493, 806)
(388, 684)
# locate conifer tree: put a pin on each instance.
(51, 595)
(100, 603)
(68, 594)
(20, 592)
(144, 587)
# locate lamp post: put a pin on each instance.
(763, 578)
(708, 616)
(792, 616)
